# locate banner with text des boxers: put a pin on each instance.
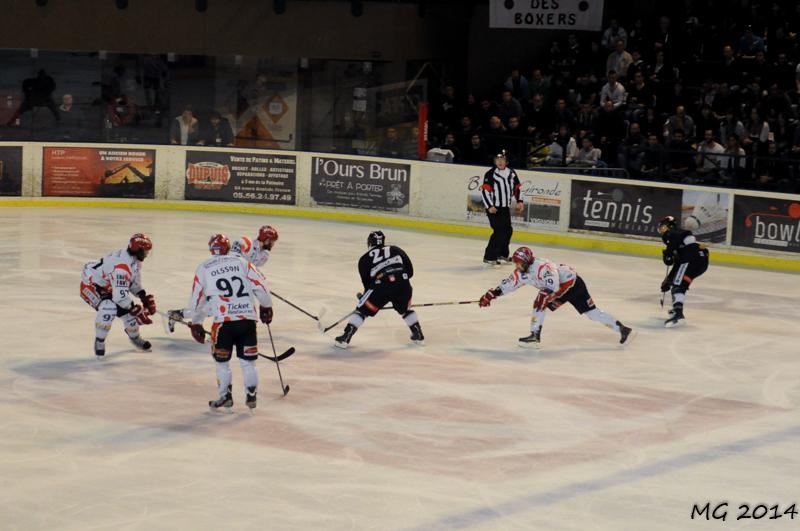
(766, 223)
(241, 177)
(98, 172)
(374, 185)
(621, 208)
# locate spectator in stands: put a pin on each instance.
(640, 98)
(653, 155)
(476, 154)
(757, 69)
(619, 60)
(586, 89)
(564, 114)
(735, 162)
(493, 137)
(450, 144)
(631, 150)
(509, 106)
(771, 170)
(706, 120)
(610, 130)
(612, 34)
(539, 120)
(539, 84)
(563, 149)
(636, 37)
(709, 164)
(662, 78)
(730, 72)
(71, 126)
(637, 65)
(757, 133)
(517, 140)
(464, 133)
(665, 40)
(679, 158)
(517, 84)
(652, 124)
(447, 113)
(679, 120)
(487, 110)
(588, 155)
(750, 44)
(586, 123)
(724, 100)
(782, 73)
(37, 92)
(185, 129)
(730, 125)
(121, 115)
(391, 146)
(613, 91)
(217, 133)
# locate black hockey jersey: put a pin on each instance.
(682, 247)
(384, 264)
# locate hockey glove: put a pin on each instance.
(266, 314)
(487, 298)
(668, 258)
(665, 286)
(198, 333)
(140, 314)
(149, 303)
(544, 298)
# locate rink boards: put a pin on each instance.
(745, 228)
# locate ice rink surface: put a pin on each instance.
(467, 432)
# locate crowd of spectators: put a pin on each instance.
(698, 97)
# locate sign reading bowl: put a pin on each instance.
(374, 185)
(766, 223)
(241, 177)
(546, 14)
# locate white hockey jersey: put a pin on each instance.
(543, 275)
(224, 287)
(250, 250)
(118, 273)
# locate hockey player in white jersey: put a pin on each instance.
(256, 251)
(224, 286)
(557, 284)
(108, 286)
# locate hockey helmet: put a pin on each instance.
(375, 239)
(267, 234)
(523, 258)
(140, 246)
(667, 224)
(219, 244)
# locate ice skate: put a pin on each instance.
(99, 347)
(491, 263)
(416, 334)
(504, 260)
(250, 399)
(676, 319)
(625, 333)
(531, 341)
(343, 341)
(225, 401)
(141, 344)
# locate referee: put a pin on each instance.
(500, 187)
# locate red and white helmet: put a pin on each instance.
(267, 234)
(523, 257)
(219, 244)
(140, 245)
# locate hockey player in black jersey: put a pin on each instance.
(688, 259)
(385, 272)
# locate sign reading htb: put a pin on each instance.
(546, 14)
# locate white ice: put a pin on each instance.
(469, 431)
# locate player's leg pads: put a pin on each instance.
(106, 312)
(410, 318)
(357, 318)
(221, 355)
(249, 373)
(249, 353)
(602, 317)
(223, 377)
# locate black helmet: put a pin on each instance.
(375, 239)
(668, 222)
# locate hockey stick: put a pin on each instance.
(296, 307)
(167, 321)
(442, 304)
(324, 330)
(282, 357)
(285, 388)
(664, 293)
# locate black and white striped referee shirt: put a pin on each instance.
(499, 187)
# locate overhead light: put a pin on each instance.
(122, 4)
(279, 6)
(201, 5)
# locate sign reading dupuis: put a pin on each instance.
(375, 185)
(241, 177)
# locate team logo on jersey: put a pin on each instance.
(208, 175)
